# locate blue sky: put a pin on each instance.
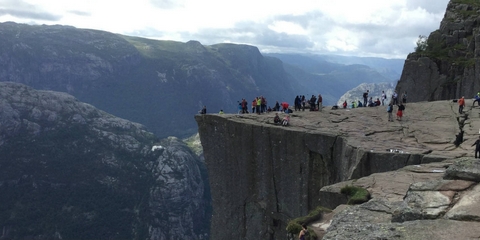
(380, 28)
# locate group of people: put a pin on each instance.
(315, 103)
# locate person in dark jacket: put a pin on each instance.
(477, 147)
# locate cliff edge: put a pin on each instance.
(262, 175)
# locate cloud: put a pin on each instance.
(79, 13)
(349, 27)
(167, 4)
(22, 9)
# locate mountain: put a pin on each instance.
(445, 66)
(332, 76)
(71, 171)
(375, 91)
(160, 84)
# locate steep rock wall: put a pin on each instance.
(261, 176)
(448, 67)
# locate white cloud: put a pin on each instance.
(368, 28)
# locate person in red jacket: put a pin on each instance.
(345, 104)
(461, 104)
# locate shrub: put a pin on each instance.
(356, 195)
(295, 226)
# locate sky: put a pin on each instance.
(366, 28)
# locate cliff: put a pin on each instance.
(445, 67)
(71, 171)
(263, 175)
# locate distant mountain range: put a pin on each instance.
(162, 84)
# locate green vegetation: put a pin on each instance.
(421, 43)
(295, 226)
(356, 195)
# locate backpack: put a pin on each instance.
(389, 108)
(365, 95)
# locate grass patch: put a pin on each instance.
(295, 226)
(356, 195)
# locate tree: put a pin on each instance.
(421, 43)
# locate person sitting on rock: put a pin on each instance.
(359, 104)
(276, 119)
(286, 120)
(203, 111)
(377, 102)
(370, 102)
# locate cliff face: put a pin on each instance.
(263, 175)
(448, 67)
(71, 171)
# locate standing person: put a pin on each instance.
(297, 103)
(313, 103)
(389, 111)
(345, 104)
(477, 147)
(259, 105)
(277, 107)
(461, 104)
(401, 107)
(303, 102)
(244, 106)
(254, 105)
(384, 97)
(404, 98)
(303, 232)
(395, 98)
(365, 98)
(319, 102)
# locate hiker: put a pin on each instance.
(404, 98)
(276, 119)
(401, 107)
(286, 120)
(240, 109)
(284, 106)
(384, 97)
(389, 111)
(461, 104)
(345, 104)
(319, 102)
(377, 102)
(303, 232)
(370, 102)
(365, 98)
(313, 103)
(204, 110)
(395, 98)
(359, 104)
(477, 99)
(477, 147)
(221, 111)
(259, 105)
(277, 107)
(297, 104)
(303, 102)
(244, 106)
(254, 105)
